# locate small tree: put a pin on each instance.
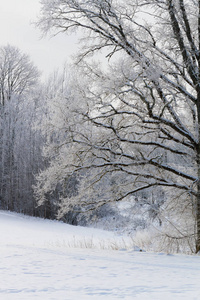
(56, 97)
(141, 118)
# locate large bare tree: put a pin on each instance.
(141, 123)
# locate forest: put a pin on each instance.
(113, 139)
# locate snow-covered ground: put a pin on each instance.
(42, 259)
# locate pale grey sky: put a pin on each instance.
(16, 29)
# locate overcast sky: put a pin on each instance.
(16, 29)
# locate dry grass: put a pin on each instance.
(92, 243)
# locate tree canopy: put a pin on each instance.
(134, 123)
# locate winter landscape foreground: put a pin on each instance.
(51, 260)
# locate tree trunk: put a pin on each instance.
(198, 204)
(198, 149)
(198, 173)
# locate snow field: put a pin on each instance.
(33, 266)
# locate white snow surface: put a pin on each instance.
(43, 259)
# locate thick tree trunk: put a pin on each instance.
(198, 205)
(198, 174)
(198, 148)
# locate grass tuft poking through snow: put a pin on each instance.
(116, 244)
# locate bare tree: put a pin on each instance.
(141, 119)
(17, 73)
(18, 78)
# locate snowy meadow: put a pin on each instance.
(51, 260)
